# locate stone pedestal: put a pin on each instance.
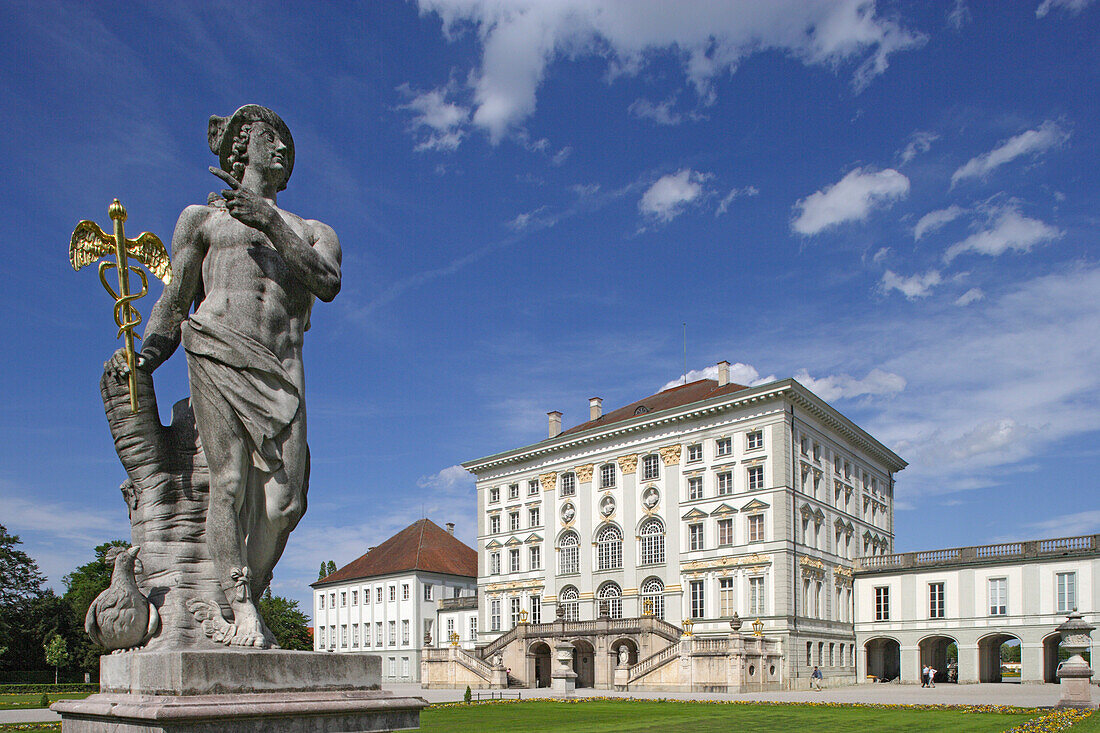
(238, 691)
(563, 680)
(1074, 674)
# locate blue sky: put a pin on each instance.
(896, 203)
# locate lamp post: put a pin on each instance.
(758, 628)
(454, 638)
(523, 615)
(688, 623)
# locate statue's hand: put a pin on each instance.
(247, 207)
(118, 368)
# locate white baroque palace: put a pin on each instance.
(688, 506)
(386, 601)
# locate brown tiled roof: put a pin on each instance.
(423, 545)
(685, 394)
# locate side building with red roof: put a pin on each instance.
(387, 600)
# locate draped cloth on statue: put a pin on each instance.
(245, 382)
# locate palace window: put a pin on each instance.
(756, 478)
(378, 633)
(393, 592)
(405, 633)
(653, 598)
(695, 453)
(695, 487)
(535, 557)
(725, 596)
(609, 548)
(568, 484)
(513, 561)
(569, 600)
(756, 527)
(404, 591)
(494, 495)
(355, 636)
(332, 636)
(494, 563)
(756, 596)
(723, 446)
(532, 487)
(513, 491)
(355, 598)
(332, 600)
(514, 605)
(754, 440)
(652, 533)
(569, 557)
(725, 532)
(651, 468)
(321, 637)
(936, 602)
(697, 605)
(494, 614)
(494, 524)
(393, 633)
(321, 601)
(343, 598)
(513, 521)
(536, 609)
(607, 476)
(882, 603)
(473, 628)
(378, 594)
(1067, 592)
(998, 596)
(725, 483)
(695, 536)
(534, 517)
(450, 628)
(610, 600)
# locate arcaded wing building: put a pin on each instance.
(684, 508)
(386, 601)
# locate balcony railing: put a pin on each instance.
(1081, 545)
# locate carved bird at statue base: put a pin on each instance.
(120, 617)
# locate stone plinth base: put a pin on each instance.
(238, 691)
(1076, 685)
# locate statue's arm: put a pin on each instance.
(316, 263)
(162, 335)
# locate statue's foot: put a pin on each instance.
(251, 629)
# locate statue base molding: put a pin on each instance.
(239, 691)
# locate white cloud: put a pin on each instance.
(538, 216)
(844, 386)
(850, 199)
(970, 296)
(1069, 525)
(1006, 228)
(1031, 142)
(520, 39)
(933, 220)
(661, 113)
(959, 15)
(745, 374)
(444, 120)
(912, 287)
(734, 193)
(919, 142)
(1073, 6)
(998, 436)
(450, 478)
(880, 255)
(671, 194)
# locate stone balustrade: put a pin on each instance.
(979, 554)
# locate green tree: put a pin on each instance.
(321, 575)
(20, 578)
(286, 621)
(82, 587)
(331, 568)
(57, 654)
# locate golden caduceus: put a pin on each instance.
(89, 243)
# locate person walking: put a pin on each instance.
(815, 679)
(924, 676)
(931, 677)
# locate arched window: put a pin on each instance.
(610, 600)
(569, 554)
(651, 468)
(609, 548)
(653, 598)
(569, 600)
(652, 533)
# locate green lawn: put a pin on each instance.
(651, 716)
(31, 701)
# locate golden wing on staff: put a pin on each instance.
(149, 251)
(89, 243)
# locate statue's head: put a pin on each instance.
(229, 138)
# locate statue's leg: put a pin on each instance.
(229, 459)
(284, 495)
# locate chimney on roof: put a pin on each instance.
(369, 549)
(595, 408)
(450, 527)
(555, 423)
(723, 373)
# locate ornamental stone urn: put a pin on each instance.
(1074, 674)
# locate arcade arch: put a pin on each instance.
(942, 654)
(883, 658)
(990, 668)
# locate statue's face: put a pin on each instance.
(266, 151)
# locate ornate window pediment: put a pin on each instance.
(512, 542)
(754, 505)
(493, 545)
(722, 510)
(533, 538)
(694, 514)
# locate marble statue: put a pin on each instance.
(245, 275)
(121, 617)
